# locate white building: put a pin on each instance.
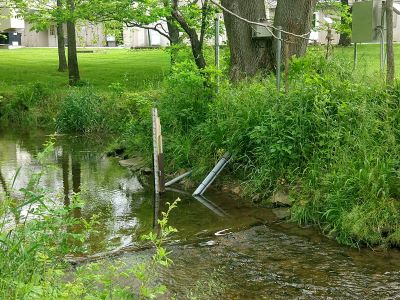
(135, 37)
(16, 32)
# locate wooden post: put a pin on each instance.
(158, 155)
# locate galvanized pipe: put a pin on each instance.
(278, 57)
(217, 49)
(213, 174)
(177, 179)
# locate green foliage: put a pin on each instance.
(23, 106)
(79, 112)
(187, 96)
(332, 140)
(34, 237)
(339, 13)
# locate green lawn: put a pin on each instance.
(135, 69)
(368, 62)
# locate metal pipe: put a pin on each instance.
(177, 179)
(382, 39)
(213, 174)
(278, 57)
(355, 56)
(217, 49)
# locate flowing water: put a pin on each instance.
(260, 257)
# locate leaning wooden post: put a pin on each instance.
(158, 155)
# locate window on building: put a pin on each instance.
(314, 20)
(52, 30)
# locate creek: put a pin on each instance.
(259, 256)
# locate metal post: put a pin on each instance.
(382, 39)
(355, 57)
(278, 57)
(217, 50)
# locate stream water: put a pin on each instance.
(260, 257)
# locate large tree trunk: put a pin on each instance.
(389, 38)
(73, 67)
(62, 60)
(345, 39)
(248, 56)
(295, 16)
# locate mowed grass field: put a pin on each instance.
(368, 62)
(135, 69)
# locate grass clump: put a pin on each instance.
(79, 112)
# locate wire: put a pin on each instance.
(269, 27)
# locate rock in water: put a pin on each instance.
(134, 163)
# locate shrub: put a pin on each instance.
(29, 105)
(79, 112)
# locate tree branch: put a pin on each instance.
(164, 34)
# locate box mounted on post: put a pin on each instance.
(261, 32)
(367, 21)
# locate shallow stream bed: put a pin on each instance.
(259, 258)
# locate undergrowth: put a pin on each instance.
(332, 141)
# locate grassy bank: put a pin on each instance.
(331, 142)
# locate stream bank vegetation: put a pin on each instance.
(38, 236)
(331, 142)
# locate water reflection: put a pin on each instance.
(123, 203)
(278, 261)
(3, 183)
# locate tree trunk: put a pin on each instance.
(345, 39)
(173, 32)
(248, 56)
(62, 60)
(295, 16)
(195, 41)
(73, 67)
(389, 38)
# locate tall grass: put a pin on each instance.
(332, 141)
